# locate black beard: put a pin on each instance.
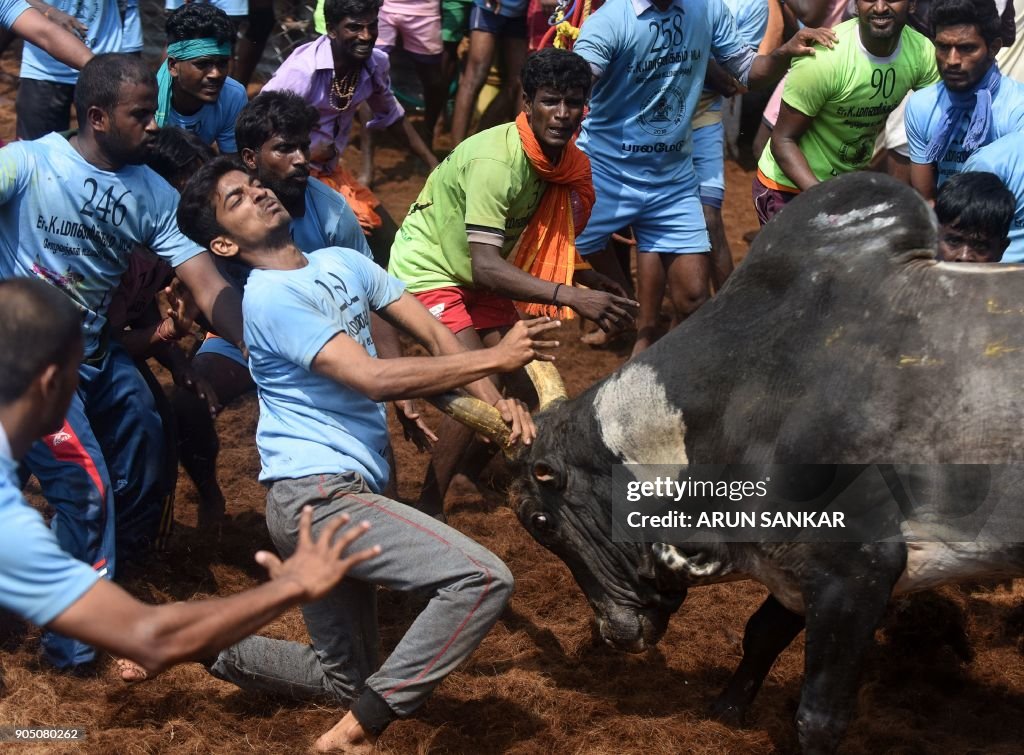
(290, 194)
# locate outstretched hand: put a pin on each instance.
(610, 311)
(803, 42)
(523, 343)
(316, 565)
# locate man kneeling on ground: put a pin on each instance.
(322, 437)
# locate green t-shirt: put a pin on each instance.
(485, 187)
(849, 92)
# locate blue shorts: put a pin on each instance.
(481, 19)
(223, 347)
(664, 219)
(709, 163)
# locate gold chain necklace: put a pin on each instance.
(343, 90)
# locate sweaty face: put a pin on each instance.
(354, 36)
(248, 210)
(962, 56)
(956, 245)
(282, 165)
(201, 78)
(130, 125)
(883, 19)
(554, 117)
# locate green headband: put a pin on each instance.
(190, 49)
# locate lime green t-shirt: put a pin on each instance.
(486, 187)
(849, 93)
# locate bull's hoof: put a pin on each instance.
(727, 711)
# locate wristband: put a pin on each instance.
(554, 297)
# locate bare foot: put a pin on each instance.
(347, 736)
(131, 672)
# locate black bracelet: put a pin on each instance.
(554, 297)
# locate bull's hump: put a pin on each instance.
(862, 214)
(638, 422)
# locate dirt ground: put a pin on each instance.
(538, 683)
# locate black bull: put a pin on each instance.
(839, 340)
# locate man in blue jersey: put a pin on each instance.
(973, 104)
(47, 86)
(273, 134)
(42, 336)
(195, 91)
(322, 439)
(649, 59)
(1005, 158)
(975, 211)
(71, 213)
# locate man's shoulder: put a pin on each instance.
(321, 193)
(233, 92)
(1010, 95)
(923, 101)
(501, 144)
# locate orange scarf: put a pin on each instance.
(547, 248)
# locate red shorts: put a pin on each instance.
(459, 308)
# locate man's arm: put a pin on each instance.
(766, 70)
(216, 298)
(494, 273)
(57, 41)
(157, 637)
(785, 146)
(922, 178)
(344, 360)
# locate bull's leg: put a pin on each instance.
(843, 612)
(769, 631)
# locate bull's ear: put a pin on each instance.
(547, 475)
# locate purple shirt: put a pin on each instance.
(308, 72)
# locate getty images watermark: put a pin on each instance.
(817, 503)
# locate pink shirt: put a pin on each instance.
(309, 71)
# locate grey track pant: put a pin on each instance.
(468, 588)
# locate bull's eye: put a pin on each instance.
(540, 522)
(547, 475)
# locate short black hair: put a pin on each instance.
(980, 13)
(269, 113)
(99, 83)
(39, 326)
(199, 21)
(556, 69)
(174, 152)
(336, 10)
(977, 203)
(197, 216)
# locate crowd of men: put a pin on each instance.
(241, 214)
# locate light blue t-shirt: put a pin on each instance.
(73, 225)
(131, 27)
(328, 221)
(924, 113)
(1005, 158)
(231, 7)
(215, 121)
(507, 8)
(751, 19)
(651, 66)
(10, 10)
(310, 424)
(103, 19)
(38, 580)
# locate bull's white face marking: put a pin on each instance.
(637, 420)
(859, 218)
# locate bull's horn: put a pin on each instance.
(475, 414)
(547, 382)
